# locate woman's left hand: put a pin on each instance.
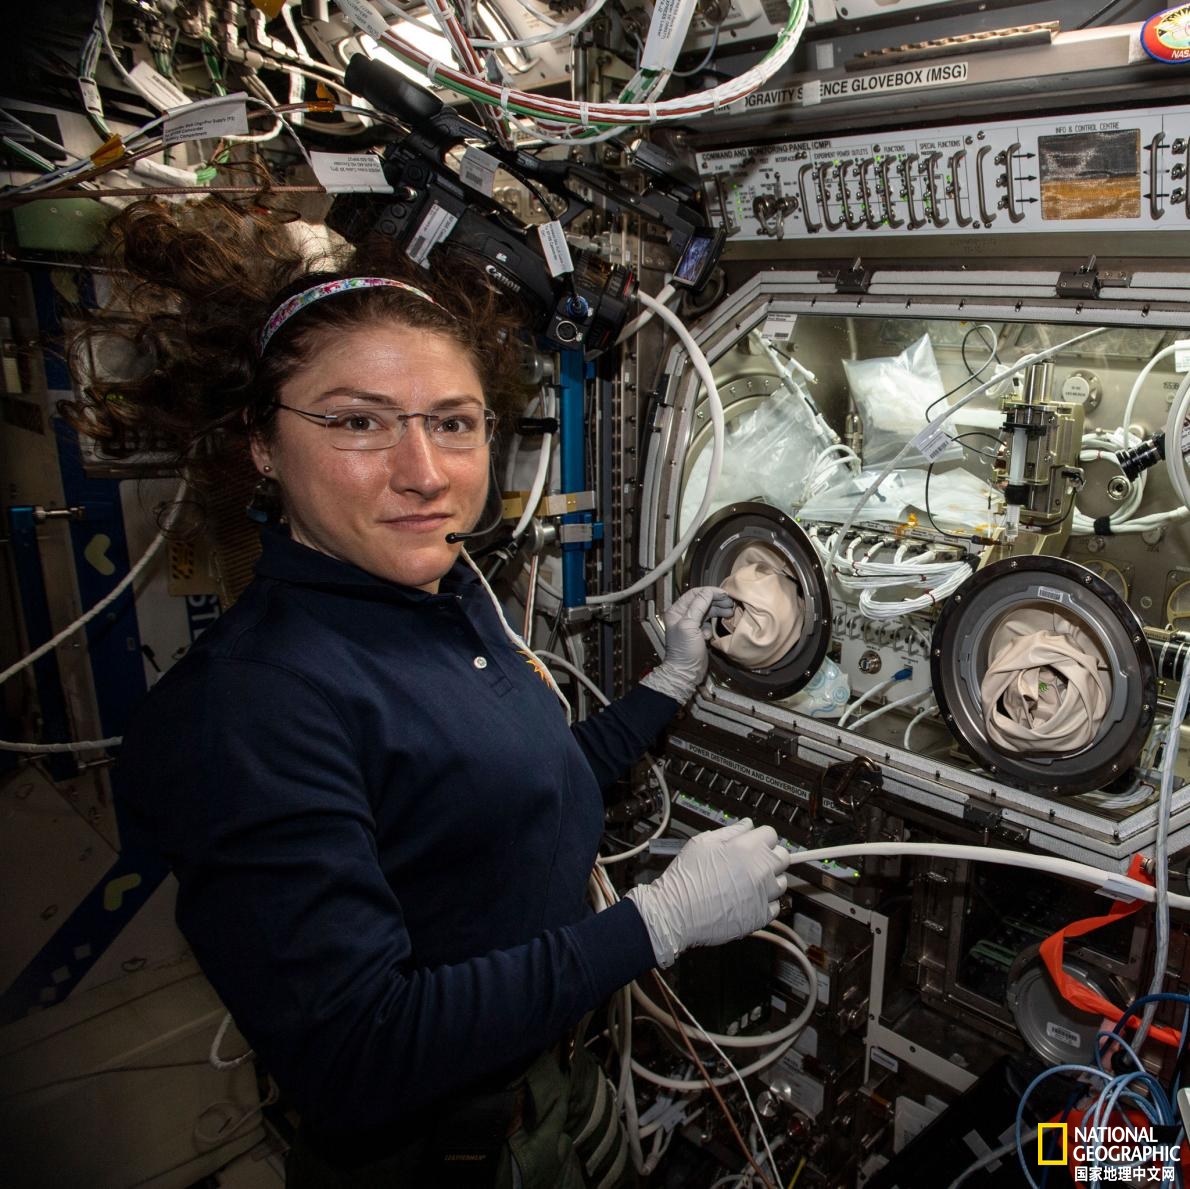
(687, 630)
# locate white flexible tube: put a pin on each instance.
(703, 368)
(874, 692)
(1161, 857)
(1175, 461)
(1126, 423)
(760, 1040)
(664, 296)
(1117, 883)
(511, 633)
(761, 1062)
(893, 705)
(107, 599)
(539, 478)
(562, 111)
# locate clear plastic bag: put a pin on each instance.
(959, 500)
(891, 394)
(826, 695)
(768, 455)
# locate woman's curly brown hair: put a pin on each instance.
(171, 364)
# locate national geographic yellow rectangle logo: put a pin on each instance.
(1042, 1128)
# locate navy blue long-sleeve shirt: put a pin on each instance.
(382, 829)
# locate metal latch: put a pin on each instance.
(991, 821)
(1085, 282)
(856, 279)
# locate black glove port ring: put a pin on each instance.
(959, 660)
(710, 559)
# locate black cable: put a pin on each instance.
(1096, 15)
(930, 515)
(993, 357)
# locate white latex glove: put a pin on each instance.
(723, 884)
(687, 630)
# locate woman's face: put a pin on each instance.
(387, 511)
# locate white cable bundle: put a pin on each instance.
(865, 576)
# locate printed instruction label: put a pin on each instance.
(478, 170)
(434, 228)
(1181, 359)
(555, 247)
(363, 16)
(90, 93)
(807, 1093)
(779, 327)
(907, 78)
(208, 121)
(795, 978)
(667, 32)
(157, 88)
(344, 173)
(808, 929)
(887, 1060)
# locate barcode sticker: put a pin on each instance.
(930, 443)
(779, 327)
(434, 228)
(347, 173)
(1063, 1035)
(1054, 596)
(478, 170)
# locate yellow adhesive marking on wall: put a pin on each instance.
(96, 554)
(113, 893)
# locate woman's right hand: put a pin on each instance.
(723, 884)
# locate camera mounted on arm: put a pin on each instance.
(575, 302)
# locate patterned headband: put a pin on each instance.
(299, 301)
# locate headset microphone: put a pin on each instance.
(483, 530)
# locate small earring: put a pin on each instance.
(266, 469)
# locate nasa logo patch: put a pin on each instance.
(1166, 36)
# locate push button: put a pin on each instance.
(480, 662)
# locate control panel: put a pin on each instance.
(1102, 171)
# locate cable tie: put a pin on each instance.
(584, 114)
(505, 91)
(652, 112)
(432, 69)
(1101, 526)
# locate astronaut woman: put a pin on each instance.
(381, 825)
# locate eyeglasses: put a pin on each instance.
(379, 427)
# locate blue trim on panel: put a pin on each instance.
(83, 937)
(101, 561)
(573, 470)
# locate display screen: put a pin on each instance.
(1090, 175)
(699, 258)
